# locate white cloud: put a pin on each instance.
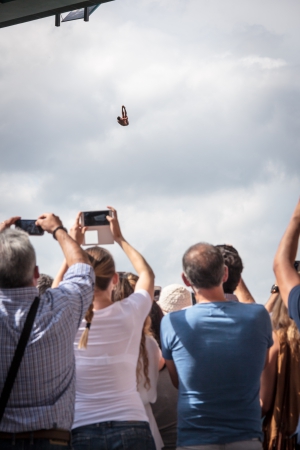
(212, 150)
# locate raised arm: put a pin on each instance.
(268, 377)
(144, 271)
(243, 293)
(283, 266)
(77, 233)
(72, 251)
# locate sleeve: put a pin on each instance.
(294, 305)
(140, 302)
(166, 337)
(154, 355)
(78, 288)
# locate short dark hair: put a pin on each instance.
(44, 282)
(203, 265)
(235, 267)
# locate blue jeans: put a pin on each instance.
(35, 444)
(127, 435)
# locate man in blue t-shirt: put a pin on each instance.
(215, 352)
(287, 278)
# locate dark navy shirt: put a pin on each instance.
(294, 305)
(219, 350)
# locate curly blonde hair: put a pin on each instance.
(285, 328)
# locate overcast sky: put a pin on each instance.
(212, 90)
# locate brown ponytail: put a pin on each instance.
(143, 361)
(104, 267)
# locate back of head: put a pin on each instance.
(17, 259)
(104, 267)
(203, 265)
(44, 282)
(235, 267)
(173, 298)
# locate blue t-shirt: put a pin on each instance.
(219, 350)
(294, 305)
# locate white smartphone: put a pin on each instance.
(97, 221)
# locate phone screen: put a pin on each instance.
(95, 218)
(30, 227)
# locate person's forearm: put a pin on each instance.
(60, 275)
(72, 251)
(271, 302)
(137, 260)
(283, 266)
(288, 246)
(243, 293)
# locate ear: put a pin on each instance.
(115, 279)
(185, 280)
(226, 274)
(36, 275)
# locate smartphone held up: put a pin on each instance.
(30, 227)
(98, 228)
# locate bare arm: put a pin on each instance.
(283, 266)
(271, 302)
(77, 233)
(72, 251)
(144, 271)
(173, 372)
(243, 293)
(268, 377)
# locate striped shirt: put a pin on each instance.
(44, 391)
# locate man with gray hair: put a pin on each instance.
(39, 412)
(215, 352)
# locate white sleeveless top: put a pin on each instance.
(106, 387)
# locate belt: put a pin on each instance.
(55, 434)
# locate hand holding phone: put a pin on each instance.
(7, 223)
(114, 224)
(48, 222)
(77, 231)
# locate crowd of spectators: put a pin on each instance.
(96, 359)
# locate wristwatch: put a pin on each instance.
(274, 289)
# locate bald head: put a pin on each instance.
(203, 264)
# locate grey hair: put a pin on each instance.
(17, 259)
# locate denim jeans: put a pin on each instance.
(127, 435)
(35, 444)
(241, 445)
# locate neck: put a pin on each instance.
(210, 295)
(102, 299)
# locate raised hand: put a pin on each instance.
(114, 225)
(124, 119)
(49, 222)
(77, 231)
(7, 223)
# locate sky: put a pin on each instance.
(212, 91)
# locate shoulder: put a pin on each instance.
(139, 302)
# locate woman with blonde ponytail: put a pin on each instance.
(109, 413)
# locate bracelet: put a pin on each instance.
(58, 228)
